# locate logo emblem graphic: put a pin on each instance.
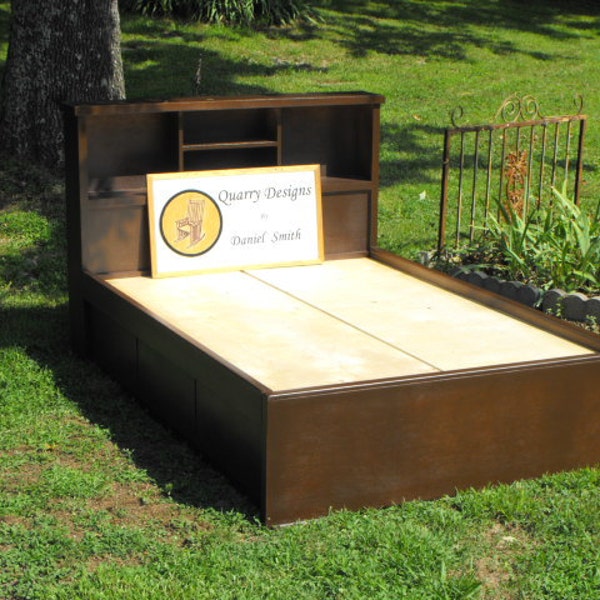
(191, 223)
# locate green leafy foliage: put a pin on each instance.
(557, 245)
(234, 12)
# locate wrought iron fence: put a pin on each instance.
(514, 162)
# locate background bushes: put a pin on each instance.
(231, 12)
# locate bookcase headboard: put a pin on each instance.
(111, 147)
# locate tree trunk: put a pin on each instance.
(59, 51)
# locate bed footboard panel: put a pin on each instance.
(383, 444)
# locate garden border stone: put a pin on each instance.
(572, 306)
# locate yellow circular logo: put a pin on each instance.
(191, 223)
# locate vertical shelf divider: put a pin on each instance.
(279, 121)
(180, 142)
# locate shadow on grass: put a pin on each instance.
(168, 68)
(420, 149)
(444, 29)
(161, 57)
(181, 473)
(33, 273)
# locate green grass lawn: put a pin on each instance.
(98, 501)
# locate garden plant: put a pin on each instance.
(554, 246)
(246, 12)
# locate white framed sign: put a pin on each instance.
(234, 219)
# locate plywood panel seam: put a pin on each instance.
(344, 321)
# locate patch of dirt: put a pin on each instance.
(142, 505)
(495, 570)
(17, 479)
(139, 504)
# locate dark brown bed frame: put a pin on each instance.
(297, 453)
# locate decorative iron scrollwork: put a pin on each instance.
(516, 108)
(514, 160)
(519, 108)
(455, 115)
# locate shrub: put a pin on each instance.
(232, 12)
(554, 246)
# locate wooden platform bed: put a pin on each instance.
(363, 381)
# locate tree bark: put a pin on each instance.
(65, 51)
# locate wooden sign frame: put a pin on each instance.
(234, 219)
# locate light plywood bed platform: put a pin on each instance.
(364, 381)
(339, 322)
